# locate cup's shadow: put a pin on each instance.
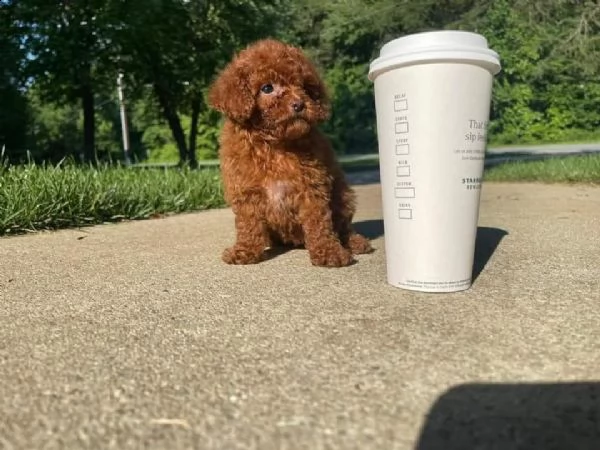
(534, 416)
(486, 242)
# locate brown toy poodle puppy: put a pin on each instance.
(279, 171)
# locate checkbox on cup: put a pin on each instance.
(405, 213)
(405, 192)
(400, 105)
(403, 171)
(401, 127)
(402, 149)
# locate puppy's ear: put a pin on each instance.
(318, 92)
(230, 93)
(313, 83)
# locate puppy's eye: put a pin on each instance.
(267, 88)
(312, 91)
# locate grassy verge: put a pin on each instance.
(571, 169)
(36, 198)
(42, 198)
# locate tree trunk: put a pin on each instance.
(172, 117)
(196, 105)
(89, 125)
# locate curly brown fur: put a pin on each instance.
(280, 174)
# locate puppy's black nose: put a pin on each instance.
(298, 106)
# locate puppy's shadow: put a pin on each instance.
(279, 250)
(371, 229)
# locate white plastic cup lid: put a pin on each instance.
(436, 46)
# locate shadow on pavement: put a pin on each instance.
(371, 229)
(364, 177)
(487, 241)
(515, 417)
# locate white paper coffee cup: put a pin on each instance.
(432, 96)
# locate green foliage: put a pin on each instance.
(14, 115)
(540, 95)
(37, 197)
(170, 50)
(68, 43)
(175, 46)
(209, 127)
(14, 118)
(344, 36)
(162, 148)
(351, 127)
(157, 138)
(56, 132)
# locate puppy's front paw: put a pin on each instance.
(241, 255)
(359, 244)
(330, 254)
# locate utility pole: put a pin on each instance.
(124, 126)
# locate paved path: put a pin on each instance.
(136, 336)
(547, 149)
(501, 155)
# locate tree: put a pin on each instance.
(175, 46)
(69, 43)
(550, 52)
(344, 36)
(13, 106)
(60, 62)
(56, 129)
(547, 90)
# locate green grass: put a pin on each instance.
(570, 169)
(566, 137)
(34, 198)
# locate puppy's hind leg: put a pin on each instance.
(358, 244)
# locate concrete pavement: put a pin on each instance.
(137, 336)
